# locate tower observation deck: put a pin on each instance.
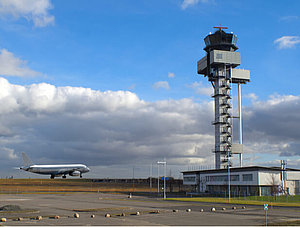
(219, 65)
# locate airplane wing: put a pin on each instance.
(72, 172)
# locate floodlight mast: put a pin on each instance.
(219, 66)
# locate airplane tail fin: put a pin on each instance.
(27, 161)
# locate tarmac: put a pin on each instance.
(59, 209)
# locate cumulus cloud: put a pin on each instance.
(286, 42)
(288, 18)
(54, 124)
(14, 66)
(272, 126)
(188, 3)
(161, 84)
(253, 97)
(8, 153)
(117, 129)
(171, 75)
(32, 10)
(200, 89)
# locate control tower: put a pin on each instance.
(219, 66)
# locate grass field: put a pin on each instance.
(288, 223)
(290, 199)
(87, 185)
(63, 185)
(71, 185)
(280, 200)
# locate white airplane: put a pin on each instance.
(54, 170)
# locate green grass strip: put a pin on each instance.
(292, 202)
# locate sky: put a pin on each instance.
(113, 84)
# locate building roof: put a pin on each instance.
(240, 169)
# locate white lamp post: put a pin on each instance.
(165, 164)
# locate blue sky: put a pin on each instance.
(149, 49)
(113, 45)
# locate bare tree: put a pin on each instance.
(275, 189)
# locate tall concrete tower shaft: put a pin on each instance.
(223, 126)
(219, 66)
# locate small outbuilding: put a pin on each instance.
(244, 181)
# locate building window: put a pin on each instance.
(265, 191)
(219, 56)
(218, 178)
(222, 178)
(297, 187)
(247, 177)
(235, 177)
(207, 178)
(189, 179)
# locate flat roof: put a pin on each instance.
(239, 169)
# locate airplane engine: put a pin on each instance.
(74, 173)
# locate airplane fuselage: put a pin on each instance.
(58, 170)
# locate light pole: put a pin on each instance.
(157, 180)
(133, 179)
(240, 122)
(151, 178)
(165, 164)
(228, 177)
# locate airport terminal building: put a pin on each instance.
(244, 181)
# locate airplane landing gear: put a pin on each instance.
(80, 175)
(64, 176)
(52, 177)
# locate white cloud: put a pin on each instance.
(253, 97)
(117, 129)
(200, 89)
(274, 125)
(8, 153)
(13, 66)
(171, 75)
(287, 41)
(161, 84)
(77, 124)
(35, 10)
(277, 100)
(188, 3)
(288, 18)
